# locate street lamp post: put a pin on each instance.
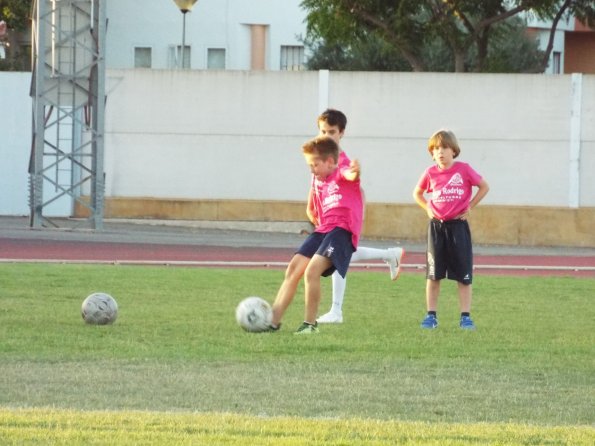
(184, 6)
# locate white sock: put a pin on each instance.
(364, 253)
(339, 285)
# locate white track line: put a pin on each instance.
(284, 264)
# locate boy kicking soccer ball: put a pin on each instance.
(336, 199)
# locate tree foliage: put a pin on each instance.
(367, 54)
(16, 13)
(415, 29)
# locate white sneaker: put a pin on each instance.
(394, 261)
(332, 317)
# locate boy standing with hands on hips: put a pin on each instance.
(449, 184)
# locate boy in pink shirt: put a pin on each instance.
(332, 123)
(449, 252)
(337, 201)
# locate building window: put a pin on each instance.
(216, 59)
(557, 62)
(142, 57)
(174, 56)
(292, 58)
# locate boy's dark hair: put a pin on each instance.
(333, 117)
(322, 146)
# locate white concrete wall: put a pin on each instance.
(513, 128)
(200, 134)
(210, 24)
(586, 166)
(237, 134)
(15, 142)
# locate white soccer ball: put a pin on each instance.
(99, 309)
(254, 314)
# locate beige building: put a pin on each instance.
(573, 45)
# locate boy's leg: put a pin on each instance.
(314, 270)
(461, 269)
(335, 315)
(293, 274)
(465, 293)
(432, 293)
(392, 256)
(435, 271)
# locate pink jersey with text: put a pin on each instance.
(338, 202)
(451, 189)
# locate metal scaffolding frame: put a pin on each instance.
(68, 90)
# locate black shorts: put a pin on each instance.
(449, 252)
(336, 245)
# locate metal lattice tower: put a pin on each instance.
(68, 92)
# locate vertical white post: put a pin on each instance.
(574, 160)
(323, 90)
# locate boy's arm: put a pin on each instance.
(310, 210)
(418, 195)
(482, 189)
(353, 173)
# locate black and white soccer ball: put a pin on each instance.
(99, 309)
(254, 314)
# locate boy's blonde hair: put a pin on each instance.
(322, 146)
(444, 138)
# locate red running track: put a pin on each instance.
(30, 250)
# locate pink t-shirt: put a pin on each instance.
(451, 189)
(338, 202)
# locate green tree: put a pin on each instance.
(412, 27)
(17, 15)
(510, 51)
(368, 54)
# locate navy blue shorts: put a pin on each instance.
(336, 245)
(449, 252)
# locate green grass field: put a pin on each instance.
(176, 369)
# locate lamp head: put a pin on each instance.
(185, 5)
